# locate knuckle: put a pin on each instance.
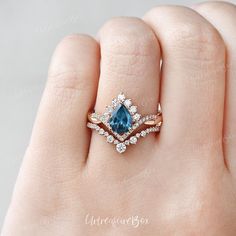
(191, 34)
(187, 31)
(78, 39)
(199, 42)
(225, 10)
(85, 45)
(226, 7)
(68, 71)
(68, 80)
(127, 36)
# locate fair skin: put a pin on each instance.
(182, 180)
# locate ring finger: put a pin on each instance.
(130, 59)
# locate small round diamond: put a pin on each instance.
(143, 133)
(133, 109)
(136, 116)
(114, 102)
(133, 140)
(127, 103)
(109, 109)
(116, 142)
(126, 142)
(121, 97)
(120, 147)
(110, 139)
(102, 118)
(101, 131)
(138, 135)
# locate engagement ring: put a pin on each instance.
(120, 121)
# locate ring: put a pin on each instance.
(120, 121)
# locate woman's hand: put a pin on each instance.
(180, 182)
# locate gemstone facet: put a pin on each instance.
(121, 119)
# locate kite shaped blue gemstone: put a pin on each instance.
(120, 120)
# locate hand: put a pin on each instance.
(180, 182)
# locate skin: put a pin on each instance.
(183, 181)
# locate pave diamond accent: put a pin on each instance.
(133, 109)
(143, 133)
(114, 102)
(121, 97)
(101, 131)
(133, 140)
(110, 139)
(137, 117)
(127, 103)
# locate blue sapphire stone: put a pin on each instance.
(121, 120)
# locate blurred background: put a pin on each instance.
(30, 30)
